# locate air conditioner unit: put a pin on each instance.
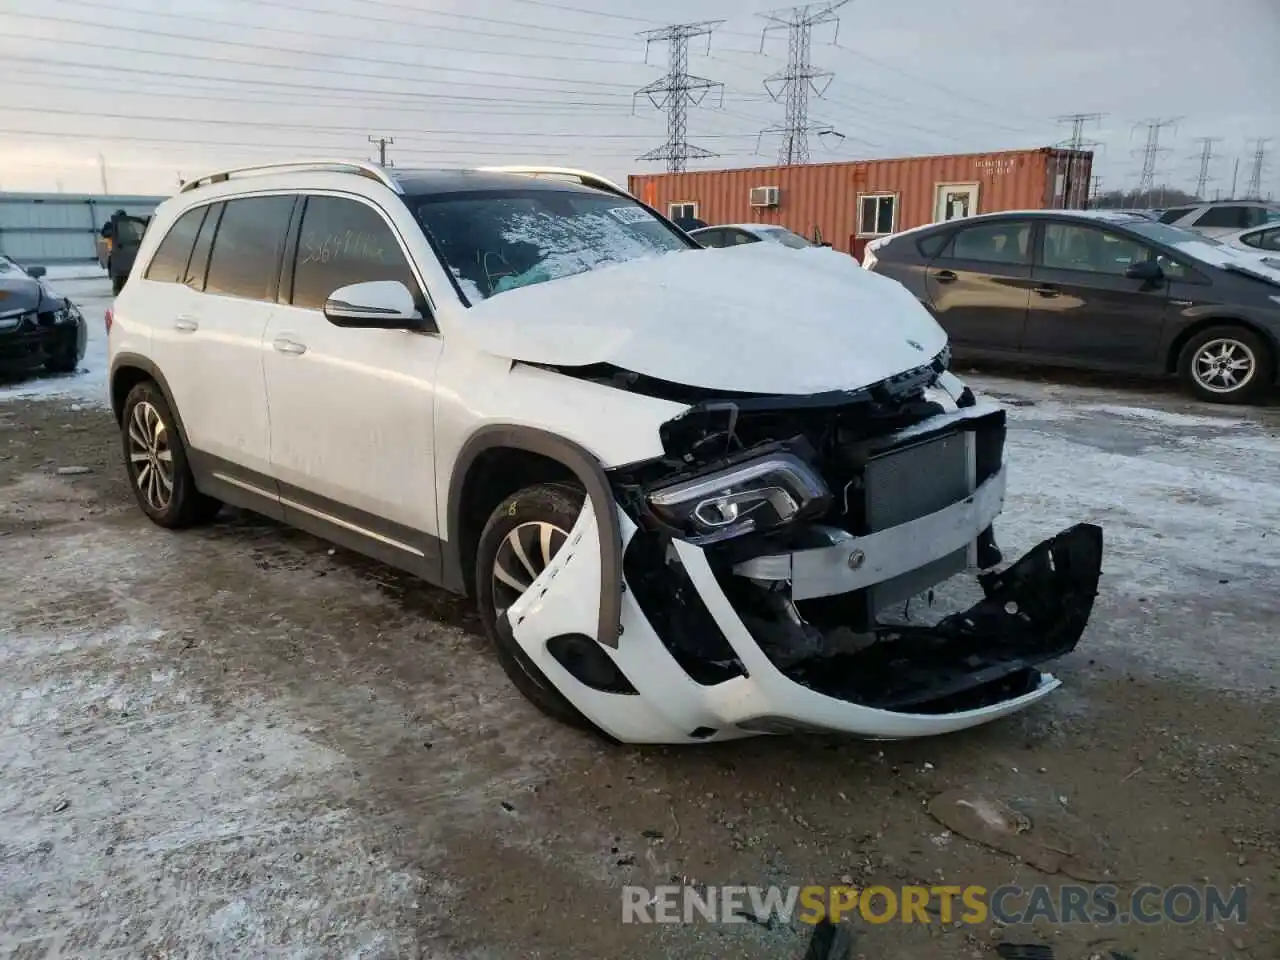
(764, 196)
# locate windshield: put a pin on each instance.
(493, 241)
(784, 236)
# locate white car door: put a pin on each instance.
(352, 410)
(217, 336)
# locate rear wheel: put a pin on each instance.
(156, 462)
(520, 539)
(1226, 364)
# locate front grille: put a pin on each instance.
(909, 483)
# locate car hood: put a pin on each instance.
(21, 294)
(759, 318)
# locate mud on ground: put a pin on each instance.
(238, 740)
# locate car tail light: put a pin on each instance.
(106, 320)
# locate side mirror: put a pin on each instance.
(380, 304)
(1148, 271)
(36, 272)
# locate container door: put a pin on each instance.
(954, 201)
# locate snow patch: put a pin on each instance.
(1165, 417)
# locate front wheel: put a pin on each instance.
(1226, 364)
(156, 461)
(522, 535)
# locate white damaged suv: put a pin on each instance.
(690, 489)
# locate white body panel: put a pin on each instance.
(352, 414)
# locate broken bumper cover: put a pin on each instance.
(971, 668)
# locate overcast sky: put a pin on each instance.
(159, 89)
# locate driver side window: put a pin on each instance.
(343, 242)
(1090, 250)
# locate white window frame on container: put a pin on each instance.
(672, 207)
(893, 217)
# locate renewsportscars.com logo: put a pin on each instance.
(1009, 904)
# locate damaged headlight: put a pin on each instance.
(757, 495)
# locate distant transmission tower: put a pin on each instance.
(1254, 190)
(674, 92)
(382, 144)
(1206, 157)
(1076, 143)
(1095, 190)
(800, 77)
(1150, 154)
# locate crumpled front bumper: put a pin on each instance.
(981, 663)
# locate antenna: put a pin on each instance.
(674, 92)
(799, 78)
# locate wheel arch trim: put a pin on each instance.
(589, 472)
(138, 362)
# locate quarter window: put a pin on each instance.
(342, 242)
(1073, 247)
(877, 215)
(1008, 242)
(1177, 213)
(195, 272)
(245, 261)
(169, 263)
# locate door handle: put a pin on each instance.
(1047, 291)
(945, 276)
(186, 324)
(284, 345)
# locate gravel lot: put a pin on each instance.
(239, 742)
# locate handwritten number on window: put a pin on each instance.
(344, 245)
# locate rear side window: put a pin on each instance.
(245, 261)
(194, 276)
(169, 262)
(993, 243)
(342, 242)
(1177, 213)
(1263, 239)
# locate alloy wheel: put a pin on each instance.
(150, 456)
(1223, 365)
(523, 554)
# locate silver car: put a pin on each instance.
(1222, 217)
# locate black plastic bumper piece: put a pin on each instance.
(1032, 612)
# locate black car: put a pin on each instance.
(37, 327)
(1097, 289)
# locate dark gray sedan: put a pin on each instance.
(1095, 289)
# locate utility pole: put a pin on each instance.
(383, 143)
(102, 170)
(1206, 155)
(677, 90)
(1151, 153)
(1235, 176)
(1254, 190)
(800, 77)
(1075, 143)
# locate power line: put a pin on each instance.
(677, 90)
(1206, 157)
(799, 78)
(1151, 153)
(275, 49)
(1254, 190)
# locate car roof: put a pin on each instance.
(426, 181)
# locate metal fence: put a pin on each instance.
(47, 228)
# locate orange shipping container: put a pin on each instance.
(849, 203)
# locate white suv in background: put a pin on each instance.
(685, 486)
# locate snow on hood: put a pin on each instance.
(758, 318)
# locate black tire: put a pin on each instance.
(146, 417)
(1194, 360)
(547, 503)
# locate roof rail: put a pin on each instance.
(584, 177)
(360, 168)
